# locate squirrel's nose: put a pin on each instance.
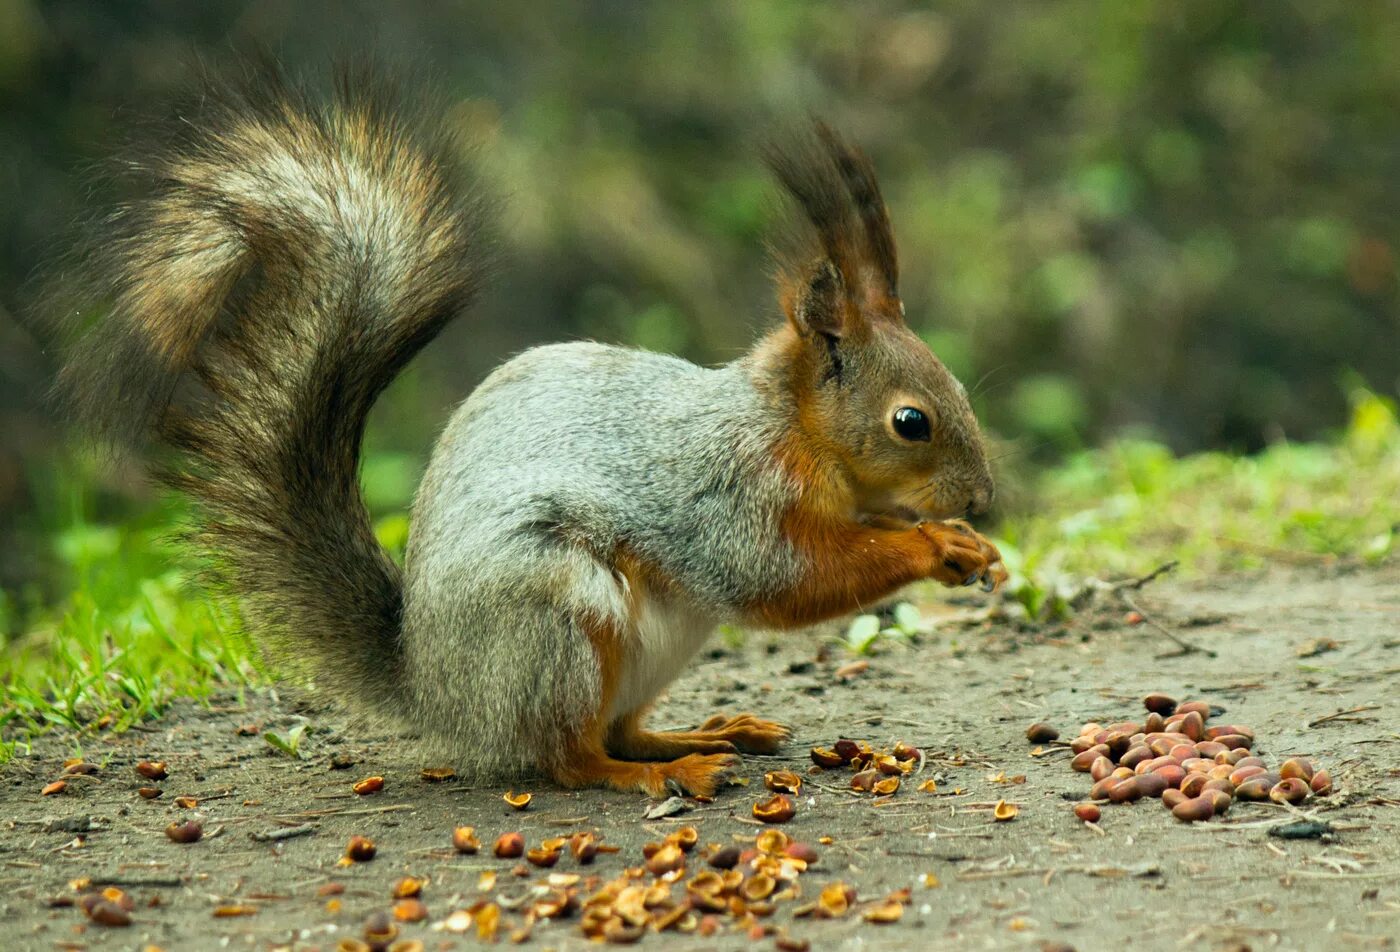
(981, 500)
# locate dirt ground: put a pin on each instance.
(1291, 647)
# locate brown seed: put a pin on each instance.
(464, 840)
(186, 803)
(149, 793)
(1235, 741)
(1194, 707)
(517, 801)
(410, 909)
(152, 770)
(108, 913)
(1160, 704)
(1154, 723)
(1299, 767)
(865, 780)
(1134, 756)
(787, 943)
(1240, 774)
(187, 832)
(1254, 789)
(1103, 790)
(1321, 783)
(1289, 790)
(1171, 797)
(1194, 810)
(801, 851)
(1173, 774)
(509, 846)
(360, 849)
(1211, 749)
(546, 858)
(1126, 791)
(725, 858)
(1083, 761)
(1193, 784)
(1151, 784)
(1041, 733)
(1100, 768)
(825, 757)
(369, 785)
(75, 767)
(782, 781)
(776, 809)
(58, 786)
(1118, 743)
(1088, 812)
(1193, 725)
(1219, 799)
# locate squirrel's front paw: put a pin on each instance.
(962, 556)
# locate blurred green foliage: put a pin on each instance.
(1176, 221)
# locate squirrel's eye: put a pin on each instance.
(911, 424)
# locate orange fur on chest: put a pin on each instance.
(847, 565)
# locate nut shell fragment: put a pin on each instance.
(776, 809)
(782, 781)
(368, 785)
(464, 840)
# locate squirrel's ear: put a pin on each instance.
(819, 306)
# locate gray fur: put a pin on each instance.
(560, 456)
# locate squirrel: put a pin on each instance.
(590, 513)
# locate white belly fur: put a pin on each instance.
(662, 638)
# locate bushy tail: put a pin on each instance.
(282, 263)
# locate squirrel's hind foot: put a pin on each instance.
(697, 775)
(718, 735)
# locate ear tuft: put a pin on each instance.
(821, 303)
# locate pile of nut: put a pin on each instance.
(875, 771)
(1197, 770)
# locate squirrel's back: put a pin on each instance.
(612, 444)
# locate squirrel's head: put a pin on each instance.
(868, 393)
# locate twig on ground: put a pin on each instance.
(169, 882)
(1339, 715)
(286, 833)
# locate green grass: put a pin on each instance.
(131, 633)
(1128, 508)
